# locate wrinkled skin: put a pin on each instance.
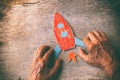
(101, 53)
(40, 69)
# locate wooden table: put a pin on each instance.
(26, 27)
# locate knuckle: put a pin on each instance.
(91, 46)
(89, 33)
(96, 42)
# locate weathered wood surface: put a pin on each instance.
(26, 27)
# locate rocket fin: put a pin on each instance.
(57, 51)
(80, 43)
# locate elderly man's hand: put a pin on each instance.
(101, 53)
(40, 69)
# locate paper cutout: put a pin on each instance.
(80, 43)
(64, 36)
(63, 33)
(72, 56)
(57, 51)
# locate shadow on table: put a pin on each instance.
(3, 73)
(3, 10)
(115, 6)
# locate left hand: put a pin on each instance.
(40, 69)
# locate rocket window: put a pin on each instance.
(60, 25)
(64, 34)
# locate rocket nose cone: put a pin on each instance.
(57, 16)
(57, 13)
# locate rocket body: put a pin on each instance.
(63, 33)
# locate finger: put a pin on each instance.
(87, 42)
(47, 55)
(56, 67)
(92, 37)
(97, 34)
(41, 51)
(103, 34)
(83, 55)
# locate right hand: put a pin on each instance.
(101, 53)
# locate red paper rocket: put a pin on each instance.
(65, 37)
(63, 33)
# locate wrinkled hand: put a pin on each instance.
(40, 69)
(101, 54)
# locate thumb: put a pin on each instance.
(55, 68)
(83, 54)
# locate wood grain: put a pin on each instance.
(25, 27)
